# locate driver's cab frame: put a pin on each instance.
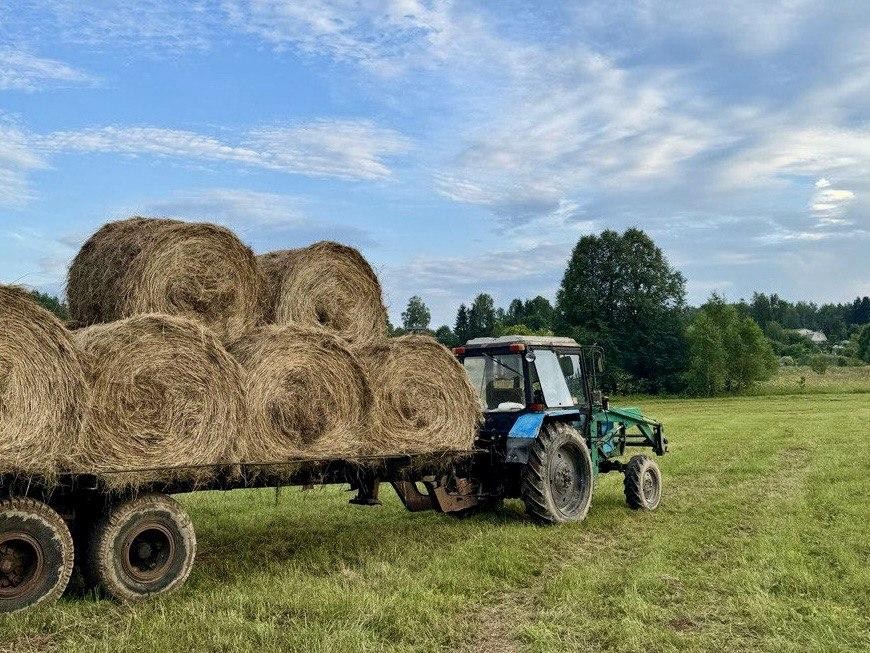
(537, 354)
(544, 381)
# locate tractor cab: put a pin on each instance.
(539, 375)
(545, 417)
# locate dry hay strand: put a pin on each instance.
(166, 401)
(145, 265)
(326, 285)
(423, 399)
(308, 396)
(42, 386)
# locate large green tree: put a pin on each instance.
(620, 291)
(444, 334)
(416, 316)
(728, 351)
(461, 329)
(481, 316)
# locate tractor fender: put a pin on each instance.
(526, 428)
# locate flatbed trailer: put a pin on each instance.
(135, 541)
(546, 433)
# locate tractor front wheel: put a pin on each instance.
(557, 479)
(642, 483)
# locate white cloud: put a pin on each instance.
(384, 36)
(21, 70)
(354, 149)
(151, 27)
(232, 205)
(787, 236)
(788, 148)
(350, 149)
(16, 159)
(270, 220)
(579, 120)
(829, 204)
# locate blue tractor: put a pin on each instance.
(548, 431)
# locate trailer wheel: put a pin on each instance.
(36, 554)
(642, 483)
(557, 480)
(141, 548)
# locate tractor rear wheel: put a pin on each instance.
(557, 479)
(642, 483)
(141, 548)
(36, 554)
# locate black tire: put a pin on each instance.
(557, 479)
(36, 554)
(141, 548)
(642, 483)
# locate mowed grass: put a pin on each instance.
(762, 543)
(801, 379)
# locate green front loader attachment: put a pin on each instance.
(615, 429)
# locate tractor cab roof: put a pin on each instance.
(529, 341)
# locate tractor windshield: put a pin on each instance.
(498, 380)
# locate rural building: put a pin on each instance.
(816, 337)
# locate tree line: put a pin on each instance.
(619, 291)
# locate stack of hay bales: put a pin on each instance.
(190, 353)
(42, 386)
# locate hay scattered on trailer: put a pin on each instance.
(423, 399)
(326, 285)
(307, 394)
(145, 265)
(42, 387)
(164, 394)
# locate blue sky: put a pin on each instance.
(464, 147)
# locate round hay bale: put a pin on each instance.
(307, 394)
(144, 265)
(423, 399)
(42, 387)
(326, 285)
(164, 394)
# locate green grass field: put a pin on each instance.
(762, 543)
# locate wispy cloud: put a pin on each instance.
(266, 218)
(16, 159)
(349, 149)
(240, 206)
(150, 27)
(385, 36)
(580, 121)
(20, 70)
(828, 204)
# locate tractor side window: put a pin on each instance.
(553, 386)
(573, 376)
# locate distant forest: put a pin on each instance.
(620, 292)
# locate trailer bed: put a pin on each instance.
(298, 472)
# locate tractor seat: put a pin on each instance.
(499, 391)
